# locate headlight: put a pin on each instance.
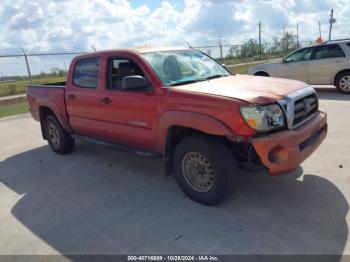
(263, 118)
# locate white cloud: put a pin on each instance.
(113, 23)
(78, 24)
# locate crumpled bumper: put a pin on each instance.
(283, 151)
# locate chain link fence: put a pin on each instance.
(250, 51)
(19, 67)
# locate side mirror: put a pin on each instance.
(134, 83)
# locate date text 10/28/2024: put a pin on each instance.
(173, 258)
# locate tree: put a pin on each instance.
(61, 72)
(248, 49)
(55, 71)
(289, 41)
(233, 52)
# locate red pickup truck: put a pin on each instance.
(182, 105)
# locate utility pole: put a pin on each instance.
(220, 45)
(332, 20)
(284, 37)
(319, 28)
(28, 68)
(260, 51)
(65, 67)
(297, 36)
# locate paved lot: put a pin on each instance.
(99, 201)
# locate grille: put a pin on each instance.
(304, 108)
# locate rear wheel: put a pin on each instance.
(342, 82)
(204, 168)
(59, 140)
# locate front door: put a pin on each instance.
(128, 115)
(296, 65)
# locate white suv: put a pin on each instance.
(325, 64)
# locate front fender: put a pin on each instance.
(198, 121)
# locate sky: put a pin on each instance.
(44, 25)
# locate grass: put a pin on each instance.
(14, 109)
(19, 87)
(243, 69)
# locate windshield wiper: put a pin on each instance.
(197, 80)
(214, 76)
(187, 82)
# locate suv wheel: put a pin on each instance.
(59, 140)
(261, 74)
(204, 168)
(342, 82)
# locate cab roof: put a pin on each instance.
(138, 50)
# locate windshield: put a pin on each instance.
(184, 67)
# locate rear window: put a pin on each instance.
(86, 73)
(328, 51)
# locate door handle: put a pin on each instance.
(72, 97)
(106, 100)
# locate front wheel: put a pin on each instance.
(261, 74)
(204, 168)
(342, 82)
(59, 140)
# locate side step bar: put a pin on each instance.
(120, 147)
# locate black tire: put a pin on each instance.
(220, 159)
(338, 82)
(62, 143)
(261, 74)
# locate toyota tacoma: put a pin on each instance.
(184, 106)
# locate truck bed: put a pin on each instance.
(51, 96)
(54, 85)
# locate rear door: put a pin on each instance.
(326, 61)
(296, 65)
(128, 116)
(82, 97)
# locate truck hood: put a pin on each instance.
(252, 89)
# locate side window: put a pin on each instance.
(86, 73)
(328, 51)
(300, 55)
(120, 68)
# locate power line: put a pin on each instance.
(44, 54)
